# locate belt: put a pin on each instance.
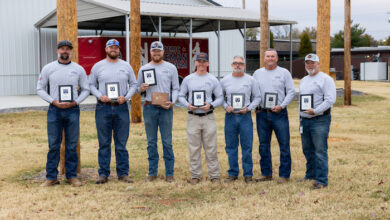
(327, 112)
(109, 103)
(200, 114)
(266, 110)
(147, 103)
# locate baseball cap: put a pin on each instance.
(313, 57)
(157, 45)
(112, 42)
(64, 43)
(202, 56)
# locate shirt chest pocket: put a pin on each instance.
(164, 77)
(277, 82)
(72, 77)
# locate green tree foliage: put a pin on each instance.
(251, 33)
(358, 38)
(387, 42)
(271, 40)
(305, 46)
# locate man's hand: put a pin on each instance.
(206, 107)
(64, 105)
(277, 109)
(191, 107)
(310, 111)
(104, 98)
(244, 110)
(229, 109)
(144, 87)
(121, 100)
(167, 105)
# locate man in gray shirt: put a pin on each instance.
(242, 95)
(277, 91)
(155, 116)
(196, 93)
(317, 94)
(63, 78)
(113, 82)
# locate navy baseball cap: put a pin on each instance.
(64, 43)
(112, 42)
(202, 56)
(156, 45)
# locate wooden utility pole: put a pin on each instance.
(67, 30)
(135, 57)
(347, 52)
(323, 34)
(264, 29)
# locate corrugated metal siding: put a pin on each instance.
(19, 43)
(232, 44)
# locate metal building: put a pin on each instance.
(24, 54)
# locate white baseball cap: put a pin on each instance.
(313, 57)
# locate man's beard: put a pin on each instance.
(63, 56)
(238, 71)
(310, 72)
(157, 59)
(113, 57)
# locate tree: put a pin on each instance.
(387, 42)
(251, 33)
(305, 46)
(311, 31)
(358, 38)
(271, 39)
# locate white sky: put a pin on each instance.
(370, 14)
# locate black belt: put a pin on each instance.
(266, 110)
(109, 103)
(200, 114)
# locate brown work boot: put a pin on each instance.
(215, 180)
(264, 178)
(194, 181)
(169, 179)
(282, 180)
(75, 182)
(318, 186)
(101, 180)
(248, 179)
(50, 183)
(230, 179)
(151, 178)
(125, 179)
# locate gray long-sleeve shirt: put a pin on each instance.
(278, 80)
(206, 82)
(323, 89)
(245, 84)
(56, 74)
(166, 76)
(105, 72)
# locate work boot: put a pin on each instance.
(125, 179)
(151, 178)
(282, 180)
(318, 186)
(101, 180)
(194, 181)
(75, 182)
(230, 179)
(215, 180)
(248, 179)
(169, 179)
(264, 178)
(50, 183)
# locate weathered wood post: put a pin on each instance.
(135, 57)
(347, 53)
(323, 34)
(67, 30)
(264, 29)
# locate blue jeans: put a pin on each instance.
(109, 120)
(154, 117)
(58, 120)
(267, 122)
(315, 147)
(239, 128)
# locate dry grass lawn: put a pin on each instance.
(359, 177)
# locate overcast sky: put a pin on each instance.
(371, 14)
